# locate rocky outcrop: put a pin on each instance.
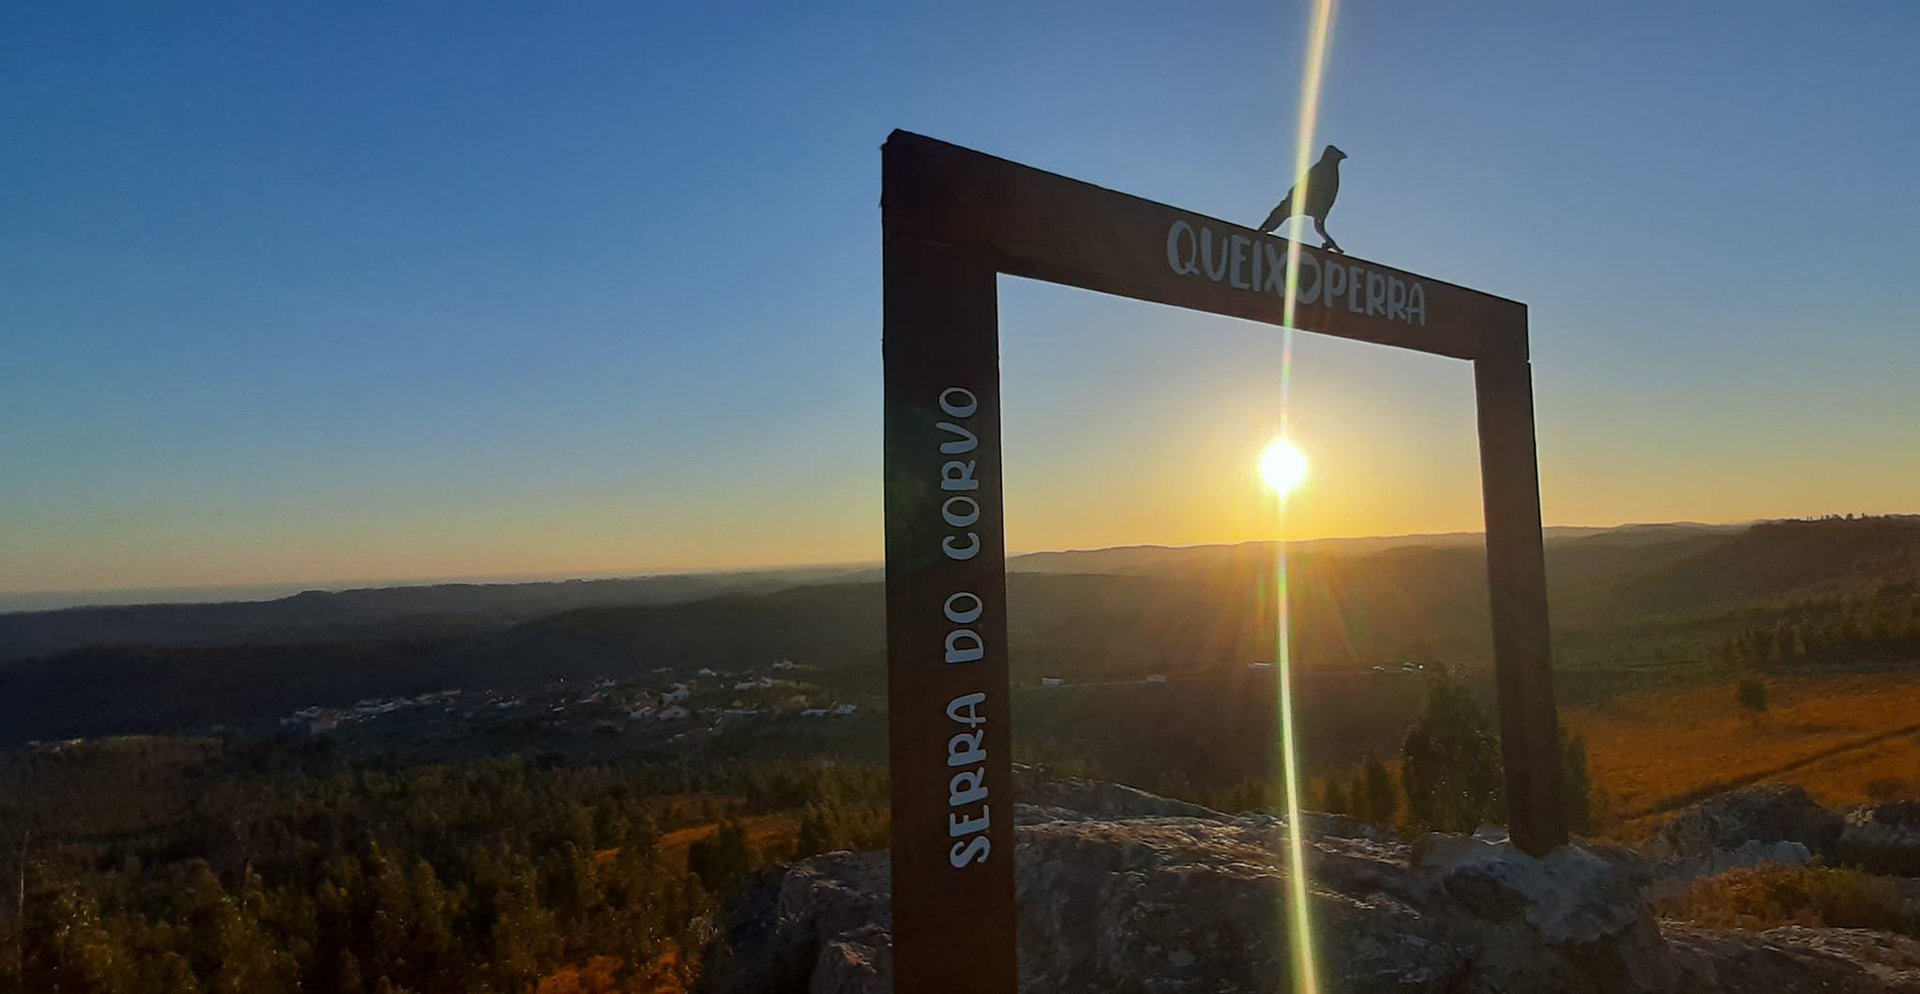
(1768, 813)
(1122, 892)
(1669, 879)
(1793, 960)
(1188, 904)
(1045, 796)
(820, 925)
(1882, 838)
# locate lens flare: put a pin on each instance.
(1283, 466)
(1305, 970)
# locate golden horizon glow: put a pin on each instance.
(1283, 466)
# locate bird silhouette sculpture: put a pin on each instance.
(1320, 185)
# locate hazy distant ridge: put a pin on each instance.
(375, 612)
(1088, 616)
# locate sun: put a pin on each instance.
(1283, 466)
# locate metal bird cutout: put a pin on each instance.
(1322, 183)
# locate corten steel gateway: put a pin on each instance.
(953, 220)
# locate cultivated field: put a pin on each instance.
(1846, 739)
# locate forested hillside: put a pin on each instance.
(426, 610)
(171, 866)
(1628, 605)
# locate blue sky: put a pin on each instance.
(323, 292)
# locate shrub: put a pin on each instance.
(724, 857)
(1333, 796)
(1382, 799)
(1450, 762)
(1576, 786)
(1752, 694)
(820, 830)
(1767, 896)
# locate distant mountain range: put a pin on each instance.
(375, 612)
(1130, 558)
(440, 609)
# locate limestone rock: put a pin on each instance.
(1670, 879)
(822, 924)
(858, 962)
(1793, 960)
(1178, 905)
(1774, 812)
(1121, 892)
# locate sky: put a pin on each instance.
(324, 293)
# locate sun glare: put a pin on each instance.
(1283, 466)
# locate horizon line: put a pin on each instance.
(270, 590)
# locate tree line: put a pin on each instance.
(1450, 776)
(1878, 627)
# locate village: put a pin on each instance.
(666, 706)
(707, 700)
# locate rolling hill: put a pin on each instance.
(1626, 603)
(432, 610)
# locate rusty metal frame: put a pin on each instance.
(953, 219)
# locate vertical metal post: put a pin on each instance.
(949, 727)
(1517, 586)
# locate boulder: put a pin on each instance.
(1882, 838)
(1767, 813)
(1571, 921)
(1670, 879)
(1175, 905)
(857, 962)
(822, 924)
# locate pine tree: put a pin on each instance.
(1383, 802)
(722, 858)
(1450, 762)
(1358, 803)
(820, 830)
(1576, 786)
(1334, 796)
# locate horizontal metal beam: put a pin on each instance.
(1032, 223)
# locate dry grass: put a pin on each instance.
(772, 834)
(1762, 897)
(611, 975)
(1847, 739)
